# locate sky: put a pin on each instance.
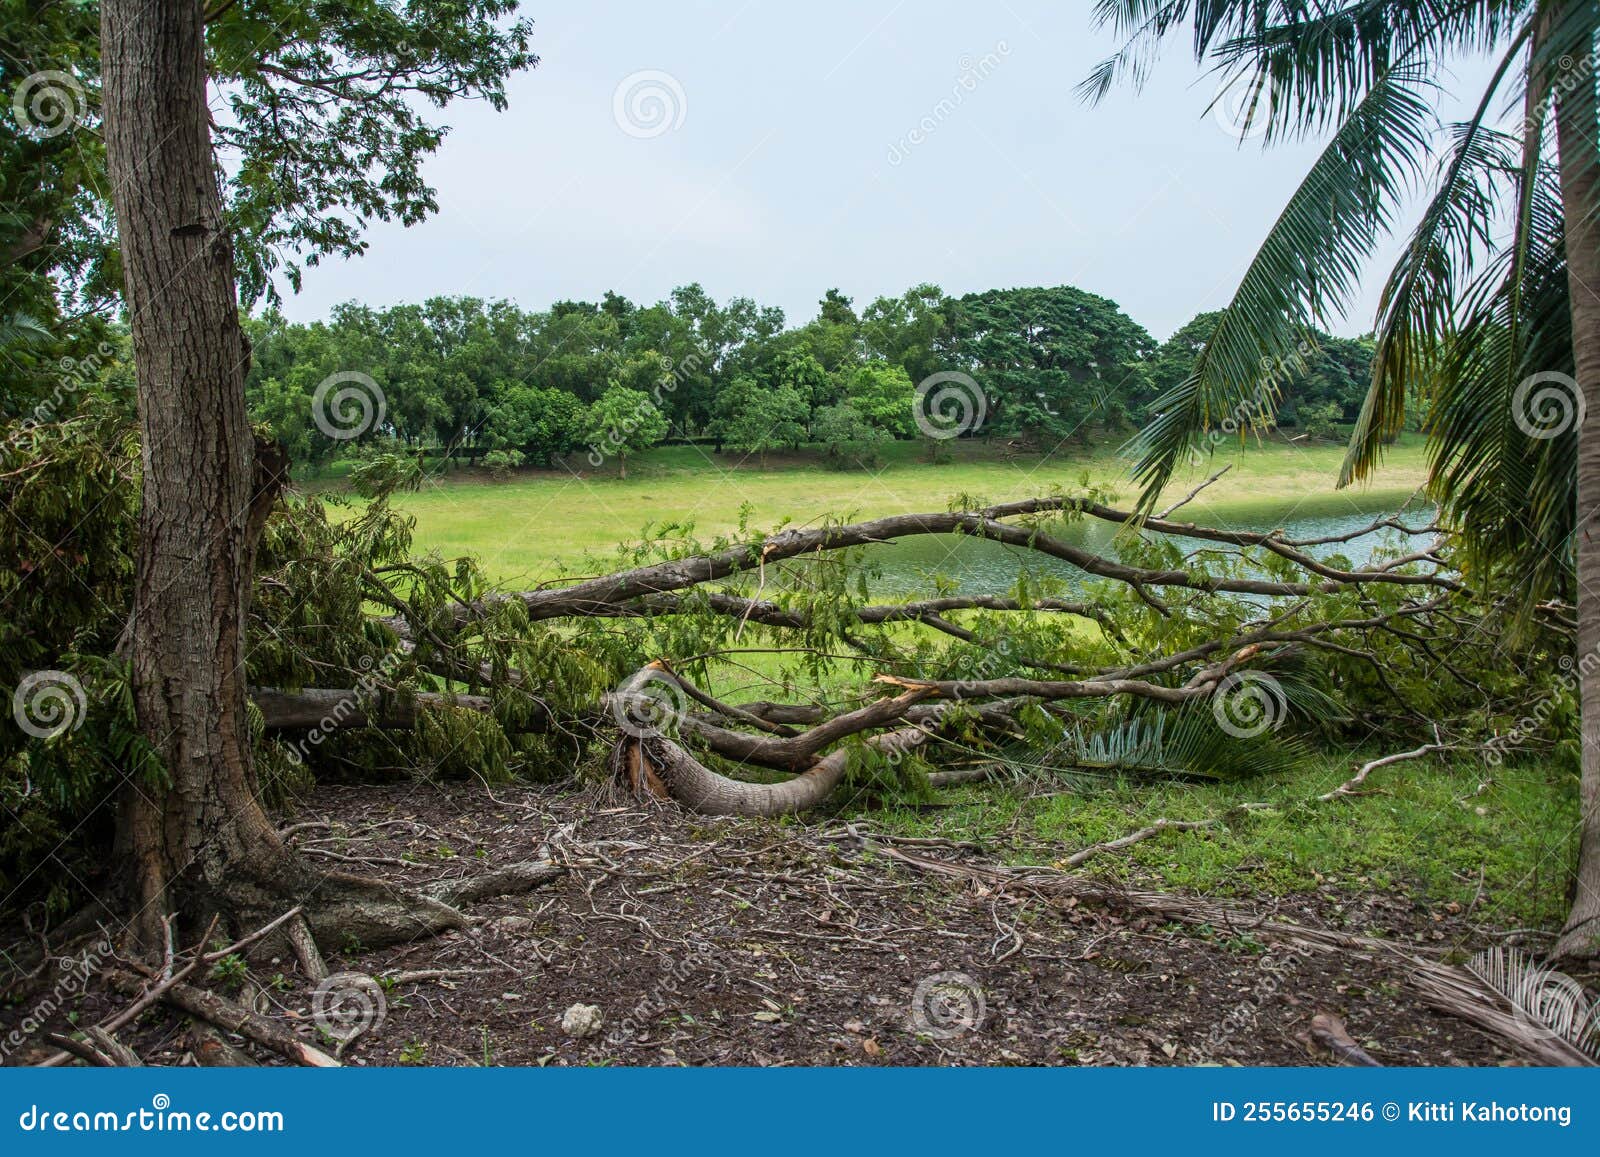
(776, 151)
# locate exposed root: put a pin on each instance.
(231, 1017)
(211, 1049)
(507, 881)
(344, 907)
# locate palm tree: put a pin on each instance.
(1491, 315)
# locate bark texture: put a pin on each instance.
(198, 459)
(200, 842)
(656, 767)
(1580, 193)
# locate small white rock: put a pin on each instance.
(582, 1020)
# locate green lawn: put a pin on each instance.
(1499, 845)
(525, 529)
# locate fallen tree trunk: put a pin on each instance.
(329, 709)
(655, 766)
(603, 596)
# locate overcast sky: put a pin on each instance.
(775, 151)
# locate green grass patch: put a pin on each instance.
(1438, 832)
(533, 526)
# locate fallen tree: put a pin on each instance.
(1169, 649)
(1196, 622)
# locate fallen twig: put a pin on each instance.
(1127, 841)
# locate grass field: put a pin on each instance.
(1499, 846)
(527, 528)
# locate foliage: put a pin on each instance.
(325, 126)
(465, 377)
(1469, 310)
(1168, 744)
(622, 421)
(882, 394)
(501, 463)
(540, 424)
(756, 420)
(1049, 360)
(847, 438)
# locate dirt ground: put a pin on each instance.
(741, 942)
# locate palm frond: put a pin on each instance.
(1314, 61)
(19, 328)
(1175, 744)
(1418, 303)
(1503, 448)
(1304, 271)
(1545, 998)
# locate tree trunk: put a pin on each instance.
(1580, 192)
(200, 842)
(192, 570)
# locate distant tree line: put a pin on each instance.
(602, 380)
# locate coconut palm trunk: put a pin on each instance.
(1580, 194)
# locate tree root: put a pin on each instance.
(510, 880)
(344, 907)
(101, 1050)
(211, 1049)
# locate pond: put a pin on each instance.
(981, 567)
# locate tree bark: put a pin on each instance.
(199, 841)
(191, 573)
(1580, 193)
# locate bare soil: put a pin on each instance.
(744, 942)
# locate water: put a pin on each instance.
(982, 567)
